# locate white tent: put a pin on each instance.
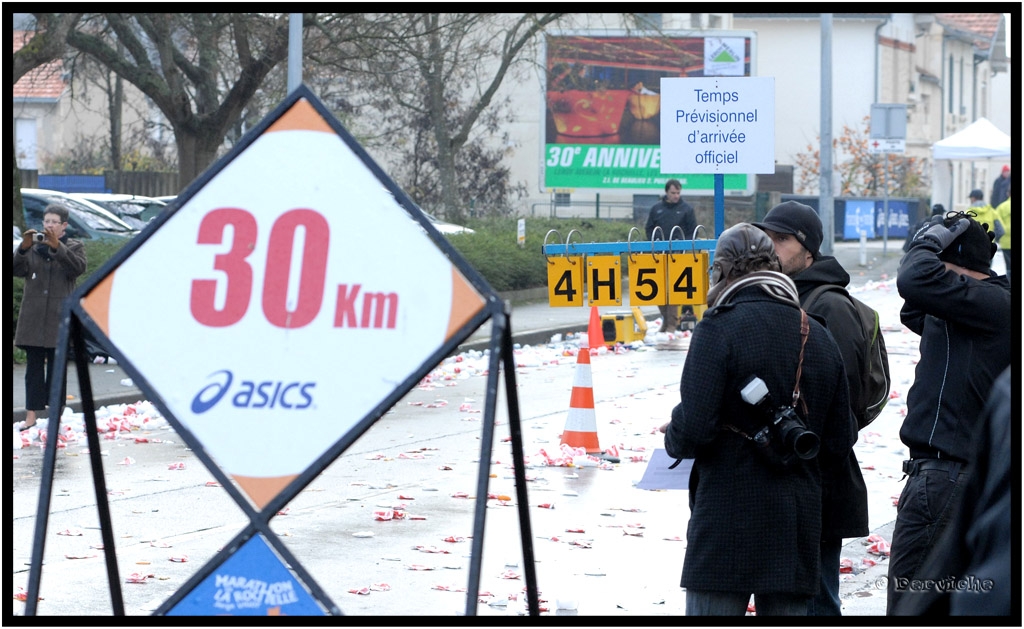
(980, 141)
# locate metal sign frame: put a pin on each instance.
(75, 320)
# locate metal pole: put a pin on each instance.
(826, 200)
(719, 206)
(885, 227)
(294, 51)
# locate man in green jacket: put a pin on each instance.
(1003, 213)
(985, 213)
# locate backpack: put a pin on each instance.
(874, 377)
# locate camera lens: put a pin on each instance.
(798, 439)
(39, 237)
(806, 444)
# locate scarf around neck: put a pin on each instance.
(775, 284)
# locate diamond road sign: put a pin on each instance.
(285, 300)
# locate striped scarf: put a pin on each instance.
(776, 284)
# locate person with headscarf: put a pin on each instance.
(764, 406)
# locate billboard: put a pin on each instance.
(602, 106)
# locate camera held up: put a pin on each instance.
(39, 237)
(784, 436)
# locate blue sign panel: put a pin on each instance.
(860, 216)
(899, 218)
(252, 582)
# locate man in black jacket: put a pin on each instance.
(796, 232)
(754, 526)
(976, 551)
(668, 213)
(961, 310)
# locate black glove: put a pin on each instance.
(942, 235)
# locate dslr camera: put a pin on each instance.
(39, 237)
(784, 435)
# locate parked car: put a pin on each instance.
(445, 227)
(85, 220)
(130, 208)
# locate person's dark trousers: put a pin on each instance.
(39, 376)
(926, 505)
(826, 602)
(707, 603)
(1006, 256)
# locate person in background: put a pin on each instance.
(1005, 217)
(1001, 187)
(50, 268)
(796, 234)
(961, 310)
(985, 213)
(671, 211)
(937, 210)
(755, 523)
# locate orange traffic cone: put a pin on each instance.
(594, 331)
(581, 424)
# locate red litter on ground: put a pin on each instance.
(879, 548)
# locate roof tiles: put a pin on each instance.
(44, 82)
(982, 25)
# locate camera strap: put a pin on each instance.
(805, 330)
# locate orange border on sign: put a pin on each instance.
(97, 303)
(263, 489)
(466, 302)
(301, 117)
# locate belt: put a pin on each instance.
(913, 466)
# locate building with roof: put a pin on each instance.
(60, 108)
(948, 69)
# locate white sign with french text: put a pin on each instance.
(718, 125)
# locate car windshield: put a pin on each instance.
(131, 208)
(91, 217)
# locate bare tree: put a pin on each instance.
(46, 45)
(199, 69)
(429, 86)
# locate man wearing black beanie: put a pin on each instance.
(961, 310)
(796, 234)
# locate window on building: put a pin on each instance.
(962, 109)
(949, 83)
(25, 143)
(695, 21)
(562, 198)
(714, 21)
(649, 20)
